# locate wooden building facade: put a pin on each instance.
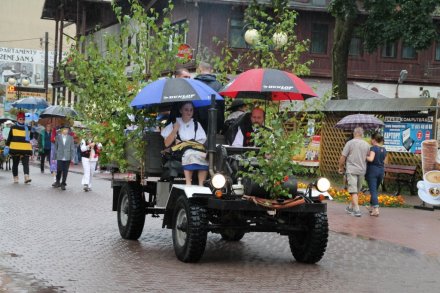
(223, 19)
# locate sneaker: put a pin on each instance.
(357, 213)
(63, 186)
(56, 185)
(349, 210)
(86, 187)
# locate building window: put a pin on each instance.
(408, 52)
(180, 34)
(355, 47)
(389, 50)
(319, 38)
(437, 51)
(236, 34)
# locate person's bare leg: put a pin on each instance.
(355, 201)
(202, 175)
(188, 176)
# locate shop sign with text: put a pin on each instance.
(405, 134)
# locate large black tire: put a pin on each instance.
(231, 235)
(309, 246)
(189, 230)
(131, 212)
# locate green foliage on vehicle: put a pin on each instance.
(106, 71)
(276, 46)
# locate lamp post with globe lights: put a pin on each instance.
(253, 39)
(23, 82)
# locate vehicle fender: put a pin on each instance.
(191, 192)
(116, 192)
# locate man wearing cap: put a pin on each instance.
(64, 152)
(237, 108)
(20, 147)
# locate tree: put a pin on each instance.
(101, 78)
(380, 22)
(271, 23)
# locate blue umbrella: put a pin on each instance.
(164, 91)
(30, 103)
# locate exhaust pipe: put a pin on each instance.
(212, 133)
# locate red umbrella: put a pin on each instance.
(268, 84)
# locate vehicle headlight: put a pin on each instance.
(218, 181)
(323, 184)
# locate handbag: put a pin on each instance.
(6, 151)
(169, 154)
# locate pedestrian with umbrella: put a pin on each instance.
(354, 164)
(20, 148)
(44, 145)
(55, 115)
(375, 171)
(64, 152)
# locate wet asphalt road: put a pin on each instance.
(68, 241)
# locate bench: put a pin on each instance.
(402, 174)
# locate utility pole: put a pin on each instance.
(46, 62)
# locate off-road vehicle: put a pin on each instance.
(224, 205)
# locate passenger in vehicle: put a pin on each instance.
(189, 134)
(248, 124)
(237, 108)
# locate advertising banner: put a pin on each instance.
(405, 134)
(309, 155)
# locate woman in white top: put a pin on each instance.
(89, 158)
(185, 129)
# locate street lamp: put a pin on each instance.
(12, 81)
(279, 39)
(252, 36)
(25, 82)
(402, 78)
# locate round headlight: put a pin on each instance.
(323, 184)
(218, 181)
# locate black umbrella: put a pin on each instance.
(365, 121)
(58, 112)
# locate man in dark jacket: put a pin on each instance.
(205, 75)
(44, 145)
(20, 148)
(248, 124)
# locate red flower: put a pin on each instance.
(248, 134)
(286, 178)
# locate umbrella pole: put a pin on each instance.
(265, 111)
